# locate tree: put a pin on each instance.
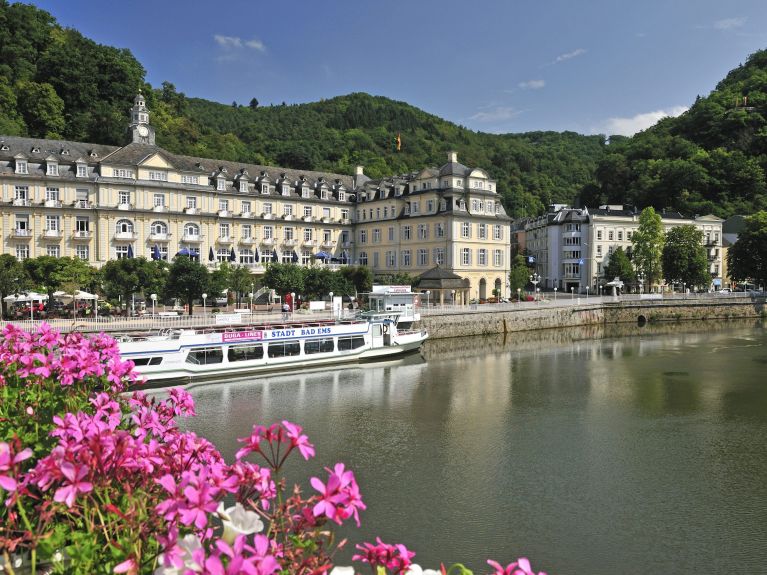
(360, 276)
(400, 278)
(187, 280)
(253, 104)
(684, 257)
(648, 246)
(619, 266)
(75, 274)
(45, 273)
(240, 281)
(747, 258)
(42, 109)
(519, 274)
(127, 276)
(287, 278)
(12, 278)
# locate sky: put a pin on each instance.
(500, 66)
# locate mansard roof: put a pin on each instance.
(64, 150)
(454, 169)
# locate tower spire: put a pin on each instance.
(139, 129)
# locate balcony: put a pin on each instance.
(267, 241)
(290, 242)
(21, 233)
(82, 235)
(52, 203)
(160, 208)
(347, 244)
(83, 204)
(267, 216)
(326, 220)
(328, 243)
(225, 239)
(159, 237)
(22, 202)
(310, 243)
(224, 214)
(249, 241)
(125, 236)
(125, 207)
(308, 218)
(345, 221)
(288, 217)
(192, 238)
(51, 234)
(190, 211)
(246, 214)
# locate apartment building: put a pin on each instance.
(572, 246)
(98, 202)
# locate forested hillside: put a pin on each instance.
(712, 159)
(56, 83)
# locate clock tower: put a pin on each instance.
(140, 131)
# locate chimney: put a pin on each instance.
(452, 157)
(358, 171)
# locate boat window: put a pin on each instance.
(350, 342)
(245, 352)
(205, 355)
(284, 348)
(323, 345)
(377, 329)
(147, 361)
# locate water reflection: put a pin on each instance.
(603, 449)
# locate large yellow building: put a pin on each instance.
(98, 203)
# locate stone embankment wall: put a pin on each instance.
(492, 319)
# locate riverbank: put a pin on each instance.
(511, 318)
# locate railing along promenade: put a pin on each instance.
(546, 300)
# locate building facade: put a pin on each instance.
(99, 203)
(572, 246)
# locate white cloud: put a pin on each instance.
(570, 55)
(729, 23)
(235, 42)
(497, 114)
(532, 84)
(630, 126)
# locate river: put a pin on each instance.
(598, 450)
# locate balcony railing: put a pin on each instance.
(159, 237)
(160, 208)
(288, 217)
(190, 211)
(51, 233)
(267, 216)
(308, 218)
(21, 233)
(82, 234)
(83, 204)
(195, 238)
(290, 242)
(267, 241)
(246, 214)
(125, 207)
(22, 202)
(52, 203)
(310, 243)
(225, 239)
(125, 236)
(249, 241)
(328, 243)
(224, 214)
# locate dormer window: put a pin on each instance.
(243, 186)
(22, 167)
(264, 188)
(93, 154)
(324, 194)
(36, 150)
(4, 147)
(221, 184)
(304, 192)
(285, 190)
(341, 196)
(52, 169)
(65, 152)
(82, 170)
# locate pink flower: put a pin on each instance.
(69, 491)
(340, 498)
(127, 566)
(519, 567)
(396, 558)
(7, 463)
(299, 440)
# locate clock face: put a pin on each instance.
(143, 131)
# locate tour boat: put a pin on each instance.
(183, 355)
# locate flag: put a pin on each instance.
(130, 251)
(295, 257)
(156, 252)
(399, 142)
(211, 256)
(258, 257)
(274, 256)
(232, 255)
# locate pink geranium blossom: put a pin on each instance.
(519, 567)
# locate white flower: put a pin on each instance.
(188, 545)
(415, 569)
(342, 571)
(238, 521)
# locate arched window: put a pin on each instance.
(191, 230)
(159, 228)
(124, 226)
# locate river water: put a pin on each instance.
(599, 450)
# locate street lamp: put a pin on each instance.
(427, 298)
(204, 297)
(555, 293)
(519, 298)
(538, 295)
(153, 297)
(250, 295)
(292, 303)
(587, 292)
(684, 289)
(535, 279)
(332, 310)
(572, 293)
